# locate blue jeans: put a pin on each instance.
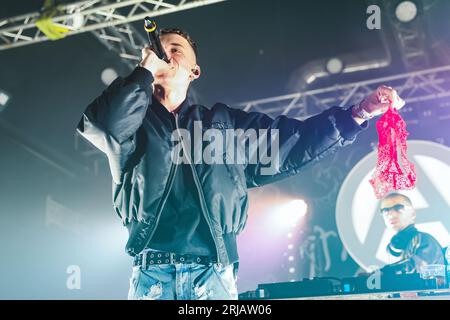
(180, 281)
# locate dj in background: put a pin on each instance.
(415, 249)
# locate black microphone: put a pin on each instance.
(153, 38)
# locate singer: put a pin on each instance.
(183, 218)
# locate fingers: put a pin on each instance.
(386, 94)
(146, 51)
(385, 107)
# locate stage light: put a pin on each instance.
(291, 258)
(108, 76)
(4, 99)
(406, 11)
(311, 79)
(77, 21)
(289, 235)
(289, 214)
(335, 66)
(291, 270)
(290, 246)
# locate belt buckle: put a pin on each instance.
(172, 257)
(144, 261)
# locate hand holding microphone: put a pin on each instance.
(153, 38)
(154, 57)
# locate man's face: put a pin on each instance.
(397, 213)
(182, 61)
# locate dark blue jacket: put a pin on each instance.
(138, 145)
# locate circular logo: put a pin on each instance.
(361, 227)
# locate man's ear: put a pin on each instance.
(413, 215)
(196, 72)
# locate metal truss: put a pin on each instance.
(91, 15)
(414, 87)
(125, 40)
(411, 37)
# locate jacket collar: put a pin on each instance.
(401, 240)
(161, 110)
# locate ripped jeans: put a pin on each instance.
(183, 282)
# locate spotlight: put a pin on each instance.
(406, 11)
(335, 66)
(291, 270)
(76, 21)
(108, 76)
(290, 213)
(4, 99)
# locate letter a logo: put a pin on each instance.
(374, 20)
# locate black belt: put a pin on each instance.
(149, 258)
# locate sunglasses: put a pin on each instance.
(397, 207)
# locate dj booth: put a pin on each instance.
(409, 286)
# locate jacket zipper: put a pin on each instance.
(171, 179)
(200, 193)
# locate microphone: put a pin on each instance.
(153, 38)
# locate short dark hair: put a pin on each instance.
(182, 33)
(396, 194)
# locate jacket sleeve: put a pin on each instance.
(402, 266)
(425, 251)
(299, 143)
(111, 121)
